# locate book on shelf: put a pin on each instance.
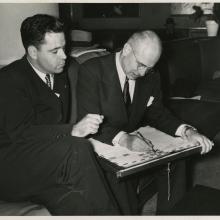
(125, 162)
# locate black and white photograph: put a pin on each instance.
(110, 108)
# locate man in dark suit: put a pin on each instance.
(42, 157)
(124, 88)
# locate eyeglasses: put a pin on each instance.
(140, 66)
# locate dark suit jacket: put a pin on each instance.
(28, 105)
(73, 68)
(99, 92)
(32, 126)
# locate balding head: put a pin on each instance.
(144, 48)
(146, 45)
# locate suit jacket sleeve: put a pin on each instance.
(89, 99)
(73, 68)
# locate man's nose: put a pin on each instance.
(62, 54)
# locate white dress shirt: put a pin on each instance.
(122, 76)
(43, 75)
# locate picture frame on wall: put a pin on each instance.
(188, 8)
(111, 10)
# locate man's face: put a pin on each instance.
(140, 60)
(50, 56)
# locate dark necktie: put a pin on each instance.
(126, 94)
(48, 81)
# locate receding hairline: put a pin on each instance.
(144, 37)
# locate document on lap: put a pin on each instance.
(165, 149)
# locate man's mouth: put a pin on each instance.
(61, 65)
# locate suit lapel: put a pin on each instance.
(61, 86)
(43, 91)
(37, 81)
(112, 85)
(143, 89)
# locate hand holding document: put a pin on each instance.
(135, 142)
(162, 141)
(147, 141)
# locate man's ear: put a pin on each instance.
(32, 52)
(126, 49)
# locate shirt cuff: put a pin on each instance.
(117, 137)
(181, 130)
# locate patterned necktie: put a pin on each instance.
(126, 94)
(48, 81)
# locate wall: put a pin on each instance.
(11, 16)
(152, 15)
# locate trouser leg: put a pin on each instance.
(62, 200)
(171, 186)
(81, 188)
(146, 187)
(124, 191)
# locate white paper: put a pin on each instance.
(163, 143)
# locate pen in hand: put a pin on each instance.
(148, 142)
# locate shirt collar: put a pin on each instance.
(121, 73)
(122, 76)
(41, 74)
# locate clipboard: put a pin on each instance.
(123, 172)
(123, 162)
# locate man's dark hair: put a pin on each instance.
(33, 29)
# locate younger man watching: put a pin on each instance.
(42, 157)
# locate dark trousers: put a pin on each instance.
(171, 187)
(124, 191)
(81, 188)
(70, 182)
(132, 192)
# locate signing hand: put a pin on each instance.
(134, 143)
(198, 139)
(87, 125)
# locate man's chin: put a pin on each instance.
(59, 70)
(133, 77)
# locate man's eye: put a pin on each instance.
(54, 51)
(140, 65)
